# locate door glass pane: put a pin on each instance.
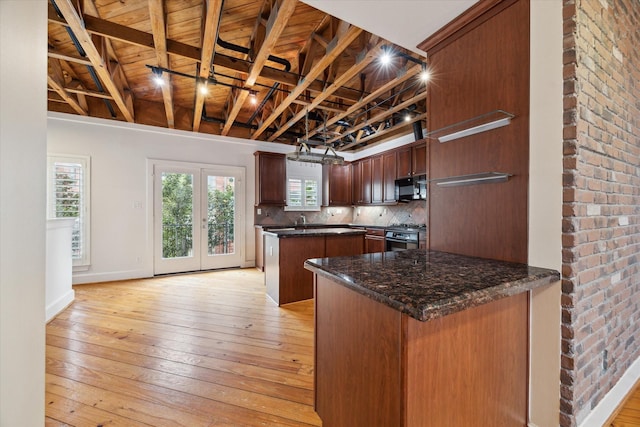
(177, 215)
(221, 212)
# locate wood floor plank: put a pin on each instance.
(202, 320)
(186, 368)
(62, 408)
(58, 336)
(219, 345)
(204, 349)
(628, 415)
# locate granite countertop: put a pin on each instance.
(430, 284)
(275, 227)
(315, 232)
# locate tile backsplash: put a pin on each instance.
(412, 212)
(403, 213)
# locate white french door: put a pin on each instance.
(198, 221)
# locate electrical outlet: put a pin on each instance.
(259, 211)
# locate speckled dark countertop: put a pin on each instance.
(429, 284)
(315, 232)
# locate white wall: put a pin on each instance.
(23, 89)
(121, 234)
(545, 207)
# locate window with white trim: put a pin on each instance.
(68, 197)
(304, 186)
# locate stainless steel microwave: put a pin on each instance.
(414, 188)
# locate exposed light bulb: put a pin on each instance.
(385, 58)
(204, 90)
(158, 80)
(253, 98)
(407, 117)
(425, 75)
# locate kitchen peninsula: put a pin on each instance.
(422, 338)
(286, 249)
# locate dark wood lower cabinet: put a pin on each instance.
(343, 245)
(286, 279)
(375, 366)
(374, 241)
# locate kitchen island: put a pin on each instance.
(422, 338)
(285, 251)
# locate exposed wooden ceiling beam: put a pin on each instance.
(402, 77)
(57, 81)
(381, 116)
(340, 42)
(212, 17)
(88, 92)
(320, 106)
(140, 38)
(52, 53)
(77, 26)
(364, 59)
(158, 29)
(383, 132)
(276, 23)
(113, 65)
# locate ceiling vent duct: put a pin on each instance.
(417, 130)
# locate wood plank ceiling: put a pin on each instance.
(273, 70)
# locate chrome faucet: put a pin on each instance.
(303, 218)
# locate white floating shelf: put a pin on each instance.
(472, 179)
(485, 122)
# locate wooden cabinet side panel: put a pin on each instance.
(357, 382)
(492, 63)
(296, 283)
(469, 368)
(344, 245)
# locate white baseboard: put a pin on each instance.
(79, 279)
(60, 304)
(84, 278)
(613, 398)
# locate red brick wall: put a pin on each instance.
(601, 201)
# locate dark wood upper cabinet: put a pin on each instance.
(271, 177)
(377, 177)
(366, 180)
(361, 181)
(356, 182)
(404, 165)
(419, 159)
(389, 167)
(336, 189)
(412, 160)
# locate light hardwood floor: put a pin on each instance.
(206, 349)
(629, 414)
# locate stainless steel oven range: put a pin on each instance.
(399, 237)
